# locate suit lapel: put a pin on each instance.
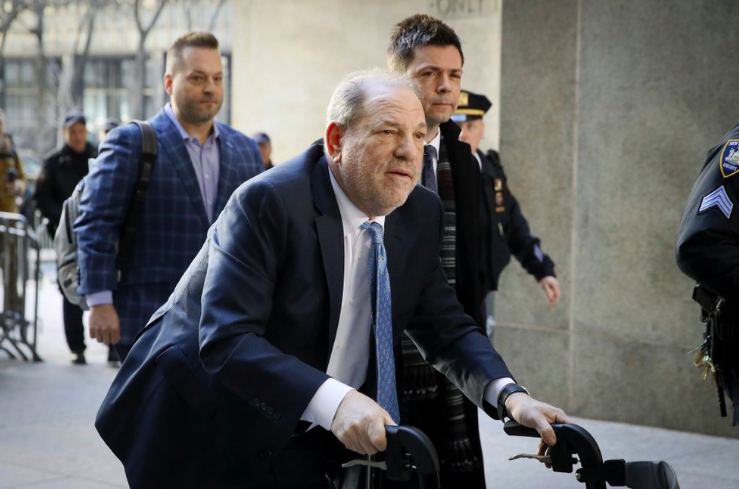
(470, 226)
(226, 171)
(331, 241)
(179, 158)
(465, 173)
(395, 262)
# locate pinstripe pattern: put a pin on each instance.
(173, 226)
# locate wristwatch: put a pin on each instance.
(504, 393)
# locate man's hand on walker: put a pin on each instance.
(360, 424)
(536, 414)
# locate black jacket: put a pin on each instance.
(707, 247)
(508, 231)
(62, 171)
(467, 199)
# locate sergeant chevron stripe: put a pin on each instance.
(717, 198)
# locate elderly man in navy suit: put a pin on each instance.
(278, 345)
(200, 162)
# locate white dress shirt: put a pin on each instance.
(350, 353)
(477, 157)
(349, 358)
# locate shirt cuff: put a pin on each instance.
(322, 408)
(99, 298)
(492, 391)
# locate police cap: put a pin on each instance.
(73, 118)
(471, 106)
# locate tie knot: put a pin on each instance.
(429, 153)
(375, 231)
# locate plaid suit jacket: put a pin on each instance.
(173, 226)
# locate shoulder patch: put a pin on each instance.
(717, 198)
(730, 158)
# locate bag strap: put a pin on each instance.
(146, 168)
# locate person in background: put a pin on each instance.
(265, 148)
(199, 164)
(12, 186)
(430, 52)
(510, 233)
(707, 250)
(63, 169)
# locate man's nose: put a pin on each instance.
(407, 150)
(445, 85)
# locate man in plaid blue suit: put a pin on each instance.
(200, 162)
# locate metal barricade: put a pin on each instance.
(17, 334)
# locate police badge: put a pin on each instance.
(730, 158)
(499, 202)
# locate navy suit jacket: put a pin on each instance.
(173, 226)
(222, 373)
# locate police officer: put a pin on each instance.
(62, 171)
(509, 231)
(707, 246)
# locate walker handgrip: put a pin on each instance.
(516, 429)
(409, 448)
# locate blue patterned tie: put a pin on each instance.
(429, 177)
(382, 323)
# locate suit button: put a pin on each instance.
(265, 454)
(264, 406)
(277, 415)
(270, 410)
(256, 402)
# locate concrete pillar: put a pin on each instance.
(607, 110)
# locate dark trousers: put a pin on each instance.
(9, 266)
(74, 330)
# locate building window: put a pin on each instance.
(21, 87)
(107, 82)
(104, 93)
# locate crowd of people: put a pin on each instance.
(272, 319)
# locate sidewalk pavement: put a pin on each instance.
(48, 441)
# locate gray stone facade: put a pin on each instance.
(607, 111)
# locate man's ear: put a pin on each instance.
(333, 140)
(168, 83)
